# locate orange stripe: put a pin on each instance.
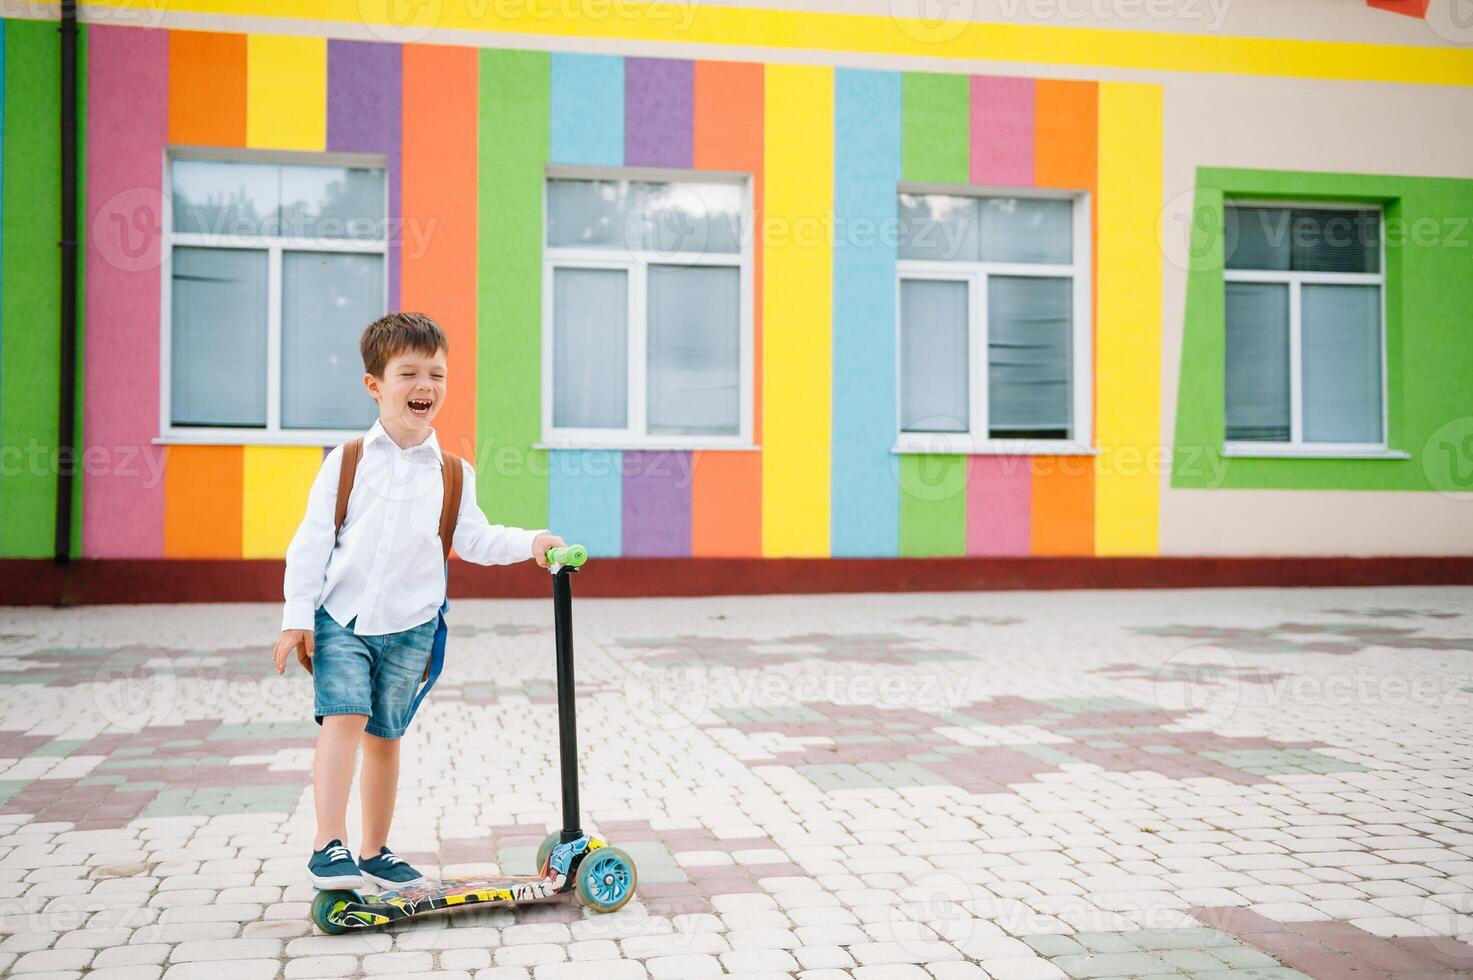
(207, 88)
(725, 504)
(203, 501)
(726, 491)
(439, 204)
(1063, 519)
(1066, 155)
(1065, 134)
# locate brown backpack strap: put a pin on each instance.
(352, 451)
(349, 467)
(454, 478)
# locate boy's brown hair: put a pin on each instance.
(398, 332)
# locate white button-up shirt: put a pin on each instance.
(387, 566)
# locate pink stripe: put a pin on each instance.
(1002, 131)
(999, 497)
(127, 128)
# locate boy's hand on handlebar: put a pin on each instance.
(287, 643)
(542, 544)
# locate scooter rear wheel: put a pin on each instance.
(545, 848)
(606, 879)
(323, 903)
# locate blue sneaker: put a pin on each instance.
(389, 870)
(333, 867)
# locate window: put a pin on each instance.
(993, 312)
(1304, 321)
(273, 270)
(646, 334)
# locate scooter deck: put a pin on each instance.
(341, 910)
(431, 896)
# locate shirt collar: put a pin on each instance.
(429, 449)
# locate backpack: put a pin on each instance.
(454, 478)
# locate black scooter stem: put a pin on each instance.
(567, 726)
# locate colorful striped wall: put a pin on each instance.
(467, 134)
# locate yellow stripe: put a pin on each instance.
(797, 306)
(274, 496)
(286, 92)
(799, 30)
(1128, 473)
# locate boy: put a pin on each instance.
(364, 603)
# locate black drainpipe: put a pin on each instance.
(67, 409)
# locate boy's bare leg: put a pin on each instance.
(332, 775)
(378, 786)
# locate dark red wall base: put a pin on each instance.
(42, 582)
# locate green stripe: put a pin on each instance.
(933, 505)
(30, 269)
(935, 141)
(514, 140)
(936, 122)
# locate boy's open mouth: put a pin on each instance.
(419, 407)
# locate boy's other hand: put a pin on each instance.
(542, 543)
(289, 641)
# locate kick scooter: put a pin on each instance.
(603, 877)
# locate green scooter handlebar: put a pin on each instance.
(571, 556)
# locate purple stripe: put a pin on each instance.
(657, 503)
(365, 95)
(658, 110)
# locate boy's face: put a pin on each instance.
(410, 393)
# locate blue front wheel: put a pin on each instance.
(606, 879)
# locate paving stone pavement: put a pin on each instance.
(1230, 785)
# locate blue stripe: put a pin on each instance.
(585, 498)
(865, 512)
(585, 488)
(588, 109)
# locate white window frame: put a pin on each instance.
(1297, 447)
(976, 440)
(635, 263)
(272, 434)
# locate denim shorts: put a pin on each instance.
(375, 676)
